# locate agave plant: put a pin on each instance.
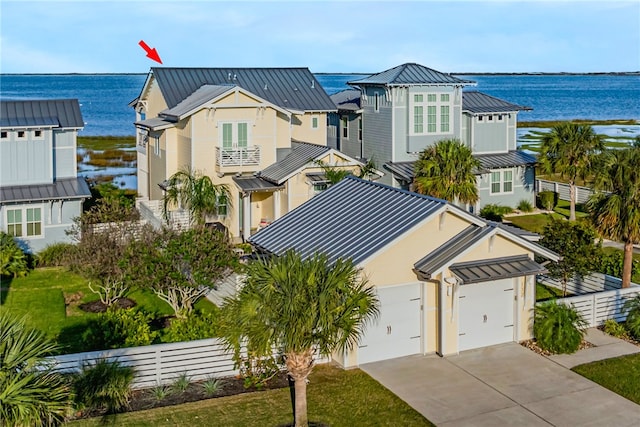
(31, 394)
(558, 328)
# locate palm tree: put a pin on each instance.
(616, 214)
(300, 306)
(198, 194)
(570, 149)
(30, 394)
(446, 171)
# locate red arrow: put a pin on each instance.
(151, 53)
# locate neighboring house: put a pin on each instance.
(257, 130)
(447, 280)
(40, 192)
(401, 111)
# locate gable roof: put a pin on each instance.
(288, 88)
(301, 154)
(478, 102)
(202, 95)
(347, 100)
(411, 74)
(64, 113)
(353, 218)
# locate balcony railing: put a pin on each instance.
(238, 156)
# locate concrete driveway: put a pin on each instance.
(499, 386)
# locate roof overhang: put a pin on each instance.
(62, 189)
(252, 184)
(496, 269)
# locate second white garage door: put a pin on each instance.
(486, 314)
(397, 330)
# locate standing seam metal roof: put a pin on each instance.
(410, 73)
(289, 88)
(301, 154)
(354, 218)
(71, 188)
(478, 102)
(64, 113)
(202, 95)
(496, 269)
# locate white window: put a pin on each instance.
(444, 118)
(435, 112)
(319, 187)
(24, 222)
(222, 206)
(502, 182)
(156, 146)
(418, 117)
(314, 122)
(345, 128)
(235, 135)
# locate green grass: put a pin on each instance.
(106, 142)
(620, 375)
(563, 209)
(335, 397)
(544, 292)
(534, 223)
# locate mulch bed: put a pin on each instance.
(627, 338)
(533, 346)
(98, 307)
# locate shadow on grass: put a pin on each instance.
(5, 285)
(70, 338)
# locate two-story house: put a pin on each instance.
(392, 116)
(40, 192)
(260, 131)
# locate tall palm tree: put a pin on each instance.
(30, 394)
(446, 170)
(196, 192)
(571, 150)
(300, 305)
(616, 214)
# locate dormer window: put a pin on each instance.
(22, 134)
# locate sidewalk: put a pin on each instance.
(606, 347)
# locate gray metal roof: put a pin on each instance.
(448, 251)
(201, 96)
(411, 74)
(529, 235)
(317, 177)
(71, 188)
(155, 123)
(64, 113)
(353, 218)
(289, 88)
(252, 184)
(348, 99)
(478, 102)
(505, 160)
(301, 154)
(496, 269)
(402, 170)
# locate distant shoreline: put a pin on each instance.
(476, 73)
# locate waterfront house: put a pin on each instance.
(393, 115)
(260, 131)
(40, 192)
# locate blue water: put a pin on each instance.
(104, 99)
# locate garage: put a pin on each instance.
(486, 314)
(397, 331)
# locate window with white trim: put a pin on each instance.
(22, 134)
(38, 134)
(235, 135)
(376, 102)
(156, 146)
(345, 127)
(435, 112)
(4, 134)
(222, 206)
(24, 222)
(314, 122)
(502, 181)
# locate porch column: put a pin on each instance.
(246, 216)
(276, 205)
(442, 303)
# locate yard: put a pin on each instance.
(335, 397)
(620, 375)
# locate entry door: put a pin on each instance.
(397, 331)
(485, 314)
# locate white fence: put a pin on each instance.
(160, 363)
(595, 282)
(582, 193)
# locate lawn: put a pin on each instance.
(544, 292)
(534, 222)
(335, 397)
(620, 375)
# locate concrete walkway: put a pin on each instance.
(504, 385)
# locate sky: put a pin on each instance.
(325, 36)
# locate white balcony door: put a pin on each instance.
(235, 135)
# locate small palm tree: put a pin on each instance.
(198, 194)
(30, 393)
(616, 214)
(446, 171)
(572, 150)
(300, 306)
(333, 174)
(558, 328)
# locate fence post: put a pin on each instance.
(158, 367)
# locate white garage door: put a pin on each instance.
(486, 314)
(397, 330)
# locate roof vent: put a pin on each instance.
(313, 84)
(229, 76)
(266, 87)
(234, 77)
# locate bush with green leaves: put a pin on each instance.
(494, 212)
(558, 328)
(56, 255)
(525, 206)
(104, 386)
(615, 329)
(212, 385)
(611, 263)
(197, 326)
(31, 394)
(13, 261)
(117, 328)
(632, 308)
(181, 383)
(547, 200)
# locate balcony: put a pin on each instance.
(240, 156)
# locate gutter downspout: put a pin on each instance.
(442, 297)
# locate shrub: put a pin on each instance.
(13, 261)
(56, 255)
(196, 326)
(558, 328)
(611, 263)
(212, 385)
(632, 307)
(547, 200)
(615, 329)
(525, 206)
(494, 212)
(104, 385)
(160, 391)
(181, 383)
(118, 328)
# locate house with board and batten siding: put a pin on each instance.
(259, 131)
(401, 111)
(40, 192)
